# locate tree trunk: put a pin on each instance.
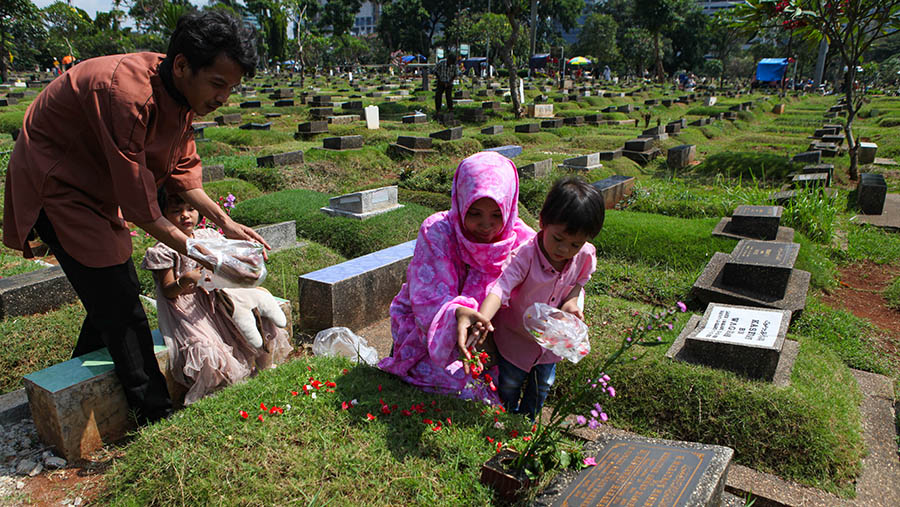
(512, 16)
(3, 75)
(659, 65)
(852, 144)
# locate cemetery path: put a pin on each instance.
(860, 292)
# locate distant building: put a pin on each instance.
(366, 19)
(711, 6)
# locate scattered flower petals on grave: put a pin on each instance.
(260, 417)
(262, 406)
(369, 416)
(244, 414)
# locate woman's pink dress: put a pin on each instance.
(206, 351)
(449, 270)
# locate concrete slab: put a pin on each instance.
(888, 219)
(724, 230)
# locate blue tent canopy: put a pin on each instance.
(413, 58)
(771, 69)
(539, 61)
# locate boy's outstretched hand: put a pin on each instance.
(468, 319)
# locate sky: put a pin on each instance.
(92, 6)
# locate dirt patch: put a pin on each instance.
(83, 480)
(860, 293)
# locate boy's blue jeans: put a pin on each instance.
(537, 384)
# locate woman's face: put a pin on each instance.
(483, 220)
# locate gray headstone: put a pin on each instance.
(416, 143)
(538, 169)
(280, 235)
(492, 130)
(35, 292)
(415, 118)
(867, 153)
(551, 123)
(870, 193)
(761, 267)
(760, 222)
(343, 143)
(641, 144)
(228, 119)
(256, 126)
(213, 172)
(528, 128)
(808, 157)
(681, 156)
(447, 134)
(284, 103)
(291, 157)
(365, 204)
(313, 127)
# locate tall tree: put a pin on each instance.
(411, 25)
(726, 39)
(10, 12)
(339, 15)
(637, 49)
(850, 26)
(656, 16)
(597, 39)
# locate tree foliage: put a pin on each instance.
(598, 39)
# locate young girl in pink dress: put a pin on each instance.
(206, 351)
(458, 255)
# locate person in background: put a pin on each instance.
(445, 71)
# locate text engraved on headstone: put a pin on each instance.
(742, 326)
(770, 254)
(633, 473)
(761, 211)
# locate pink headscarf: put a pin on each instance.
(485, 174)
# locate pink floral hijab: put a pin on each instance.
(486, 174)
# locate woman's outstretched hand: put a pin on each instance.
(471, 329)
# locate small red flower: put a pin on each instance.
(449, 422)
(492, 386)
(379, 388)
(487, 376)
(534, 428)
(294, 393)
(526, 438)
(489, 439)
(345, 405)
(385, 409)
(316, 384)
(499, 446)
(330, 384)
(262, 406)
(513, 434)
(407, 413)
(244, 414)
(436, 428)
(394, 406)
(427, 421)
(260, 417)
(433, 402)
(309, 367)
(370, 417)
(345, 371)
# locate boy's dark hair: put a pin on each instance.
(576, 204)
(201, 35)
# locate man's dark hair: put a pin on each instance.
(201, 35)
(576, 204)
(451, 57)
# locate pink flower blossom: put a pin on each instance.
(590, 462)
(681, 306)
(580, 420)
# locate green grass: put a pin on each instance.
(12, 263)
(350, 237)
(242, 190)
(315, 453)
(866, 242)
(747, 166)
(892, 294)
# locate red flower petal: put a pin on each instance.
(513, 434)
(499, 446)
(330, 384)
(244, 414)
(406, 413)
(526, 438)
(449, 422)
(370, 416)
(427, 421)
(385, 409)
(260, 417)
(345, 405)
(294, 393)
(262, 406)
(394, 406)
(436, 428)
(309, 368)
(379, 388)
(345, 371)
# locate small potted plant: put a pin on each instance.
(515, 468)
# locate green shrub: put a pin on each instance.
(889, 121)
(431, 179)
(349, 237)
(433, 200)
(238, 137)
(267, 178)
(746, 165)
(240, 189)
(10, 121)
(892, 294)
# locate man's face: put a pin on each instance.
(207, 88)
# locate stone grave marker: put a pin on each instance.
(745, 340)
(582, 163)
(508, 151)
(639, 144)
(635, 470)
(288, 158)
(228, 119)
(343, 143)
(343, 119)
(805, 180)
(284, 103)
(272, 115)
(709, 101)
(372, 120)
(867, 153)
(365, 204)
(808, 157)
(415, 118)
(312, 127)
(450, 134)
(614, 189)
(682, 156)
(871, 192)
(827, 149)
(537, 169)
(213, 172)
(528, 128)
(352, 105)
(411, 145)
(574, 120)
(756, 273)
(256, 126)
(754, 222)
(491, 105)
(651, 102)
(540, 110)
(625, 108)
(820, 168)
(37, 291)
(320, 113)
(551, 123)
(251, 104)
(492, 130)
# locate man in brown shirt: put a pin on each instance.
(103, 138)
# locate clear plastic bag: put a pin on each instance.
(340, 341)
(237, 263)
(557, 331)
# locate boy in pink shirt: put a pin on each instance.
(550, 268)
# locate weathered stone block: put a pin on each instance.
(342, 143)
(808, 157)
(871, 192)
(639, 144)
(538, 169)
(415, 118)
(583, 162)
(540, 110)
(416, 143)
(280, 235)
(614, 189)
(213, 172)
(867, 153)
(251, 104)
(35, 292)
(291, 157)
(447, 134)
(284, 103)
(552, 123)
(574, 120)
(313, 127)
(492, 130)
(256, 126)
(354, 293)
(228, 119)
(528, 128)
(508, 151)
(681, 156)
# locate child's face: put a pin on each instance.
(483, 220)
(184, 216)
(559, 245)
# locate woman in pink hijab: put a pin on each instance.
(459, 254)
